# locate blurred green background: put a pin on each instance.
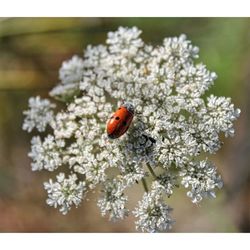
(31, 52)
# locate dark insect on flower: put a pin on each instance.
(120, 121)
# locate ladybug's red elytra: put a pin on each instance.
(120, 121)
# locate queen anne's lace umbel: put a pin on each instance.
(173, 125)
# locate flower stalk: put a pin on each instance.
(144, 184)
(151, 171)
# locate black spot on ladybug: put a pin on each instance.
(119, 108)
(124, 123)
(117, 118)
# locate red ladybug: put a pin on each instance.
(120, 121)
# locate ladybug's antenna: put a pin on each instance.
(122, 102)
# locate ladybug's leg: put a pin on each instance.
(139, 113)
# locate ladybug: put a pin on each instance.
(120, 121)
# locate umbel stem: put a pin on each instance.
(151, 171)
(144, 183)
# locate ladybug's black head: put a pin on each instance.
(129, 106)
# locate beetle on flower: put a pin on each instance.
(173, 124)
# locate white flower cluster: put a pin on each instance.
(70, 75)
(202, 178)
(39, 115)
(65, 192)
(113, 200)
(153, 213)
(173, 126)
(46, 154)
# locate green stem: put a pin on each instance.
(144, 183)
(151, 171)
